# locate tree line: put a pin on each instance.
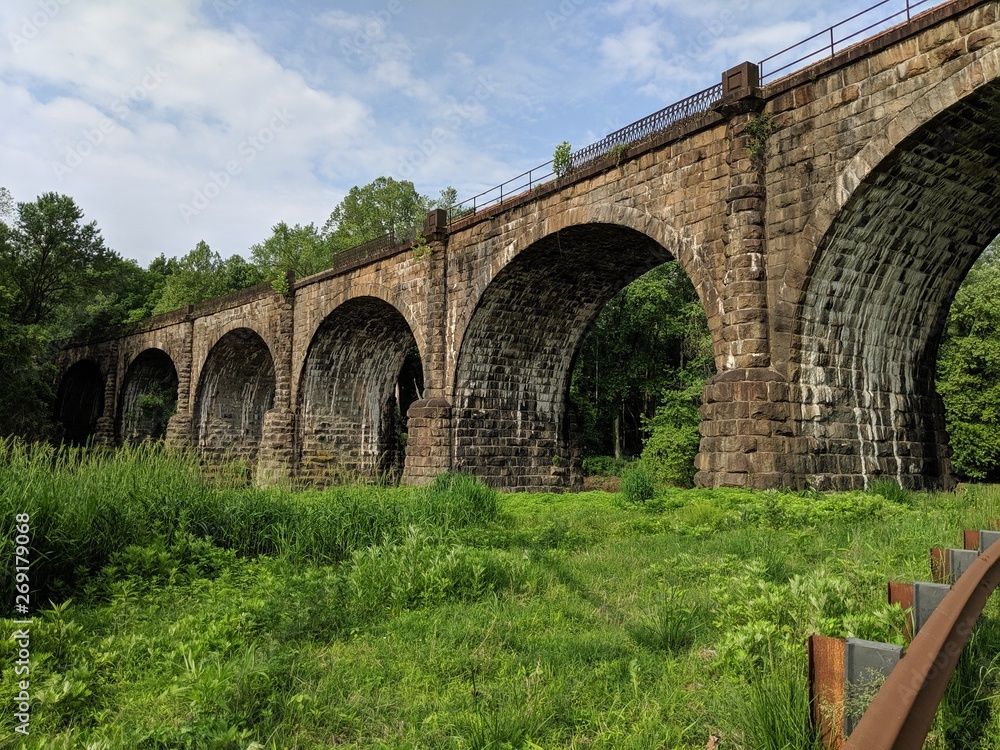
(638, 377)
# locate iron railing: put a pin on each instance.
(367, 251)
(827, 42)
(697, 104)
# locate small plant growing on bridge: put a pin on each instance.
(421, 250)
(757, 130)
(562, 160)
(617, 153)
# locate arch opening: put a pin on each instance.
(361, 373)
(148, 399)
(80, 402)
(878, 296)
(235, 390)
(514, 423)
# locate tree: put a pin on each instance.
(26, 373)
(302, 250)
(6, 203)
(203, 274)
(383, 206)
(47, 255)
(968, 373)
(651, 337)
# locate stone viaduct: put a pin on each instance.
(826, 220)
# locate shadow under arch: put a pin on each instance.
(361, 373)
(513, 422)
(235, 390)
(876, 299)
(148, 397)
(80, 401)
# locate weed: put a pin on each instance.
(773, 711)
(670, 625)
(891, 490)
(637, 485)
(758, 130)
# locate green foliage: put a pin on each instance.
(26, 374)
(673, 436)
(671, 624)
(383, 206)
(451, 616)
(46, 257)
(758, 130)
(774, 709)
(202, 274)
(891, 490)
(605, 466)
(650, 338)
(562, 159)
(968, 374)
(299, 250)
(637, 484)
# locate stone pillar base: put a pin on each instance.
(276, 457)
(428, 441)
(179, 432)
(747, 432)
(104, 432)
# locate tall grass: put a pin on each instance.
(89, 508)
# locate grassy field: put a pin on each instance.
(181, 613)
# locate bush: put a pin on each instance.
(638, 485)
(606, 466)
(891, 490)
(673, 440)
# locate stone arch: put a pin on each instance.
(148, 397)
(328, 306)
(80, 401)
(983, 70)
(874, 303)
(235, 390)
(361, 372)
(690, 256)
(513, 423)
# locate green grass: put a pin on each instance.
(188, 614)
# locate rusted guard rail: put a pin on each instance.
(901, 714)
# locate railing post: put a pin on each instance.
(833, 50)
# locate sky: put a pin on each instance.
(176, 121)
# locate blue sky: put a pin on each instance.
(177, 121)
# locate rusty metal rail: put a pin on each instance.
(901, 714)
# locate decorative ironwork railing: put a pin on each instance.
(366, 251)
(842, 34)
(697, 104)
